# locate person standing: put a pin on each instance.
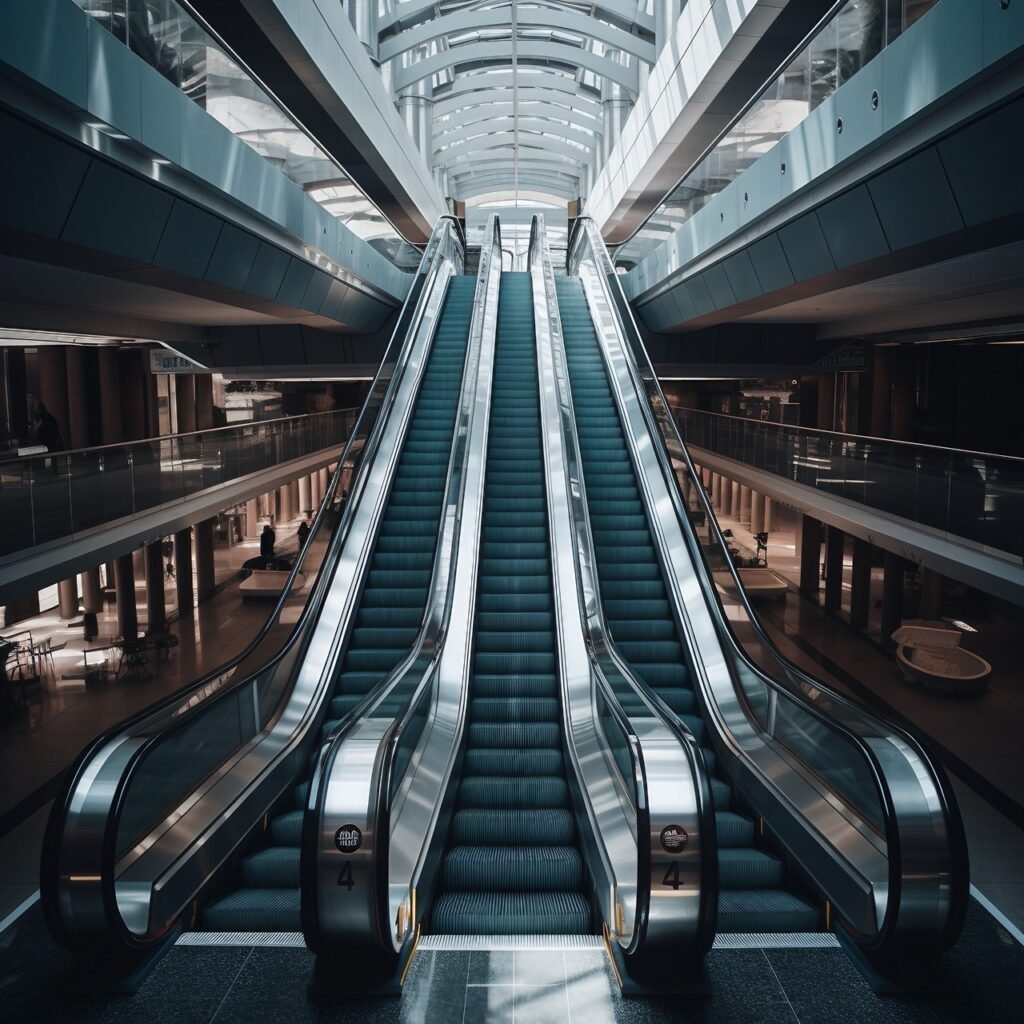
(303, 532)
(267, 540)
(48, 430)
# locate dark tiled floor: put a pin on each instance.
(982, 981)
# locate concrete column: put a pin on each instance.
(810, 554)
(124, 584)
(325, 482)
(293, 491)
(931, 594)
(138, 387)
(284, 504)
(110, 396)
(206, 577)
(769, 514)
(734, 499)
(78, 394)
(616, 103)
(185, 402)
(67, 597)
(666, 14)
(92, 596)
(53, 386)
(892, 595)
(156, 603)
(305, 493)
(826, 401)
(252, 519)
(860, 584)
(756, 512)
(835, 542)
(746, 513)
(716, 489)
(416, 105)
(203, 384)
(183, 571)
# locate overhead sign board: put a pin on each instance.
(163, 360)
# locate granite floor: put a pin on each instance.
(981, 980)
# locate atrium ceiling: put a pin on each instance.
(512, 99)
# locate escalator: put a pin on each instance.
(753, 891)
(513, 863)
(391, 608)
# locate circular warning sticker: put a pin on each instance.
(674, 838)
(348, 838)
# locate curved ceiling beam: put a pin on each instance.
(564, 20)
(527, 78)
(495, 183)
(527, 140)
(503, 151)
(457, 135)
(484, 162)
(526, 49)
(558, 117)
(585, 111)
(628, 13)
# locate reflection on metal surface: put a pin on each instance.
(635, 774)
(856, 801)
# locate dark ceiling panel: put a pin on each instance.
(188, 240)
(233, 258)
(268, 270)
(296, 281)
(770, 263)
(741, 276)
(851, 228)
(805, 247)
(718, 284)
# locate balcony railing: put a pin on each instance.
(55, 496)
(972, 496)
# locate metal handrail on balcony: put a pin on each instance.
(54, 496)
(974, 496)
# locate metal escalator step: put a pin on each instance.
(535, 827)
(512, 868)
(254, 910)
(506, 913)
(511, 762)
(748, 868)
(733, 830)
(764, 910)
(515, 734)
(497, 792)
(275, 867)
(514, 709)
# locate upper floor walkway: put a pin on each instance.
(960, 512)
(68, 511)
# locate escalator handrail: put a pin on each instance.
(692, 937)
(373, 933)
(796, 685)
(418, 663)
(158, 721)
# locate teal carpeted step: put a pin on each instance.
(640, 620)
(388, 619)
(512, 864)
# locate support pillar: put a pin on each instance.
(252, 519)
(756, 513)
(203, 386)
(305, 493)
(716, 489)
(931, 594)
(185, 402)
(156, 603)
(67, 597)
(110, 396)
(860, 584)
(284, 509)
(810, 554)
(78, 392)
(206, 576)
(835, 542)
(769, 514)
(124, 584)
(92, 595)
(892, 595)
(183, 571)
(746, 512)
(734, 499)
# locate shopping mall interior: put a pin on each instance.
(513, 510)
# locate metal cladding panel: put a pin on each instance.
(268, 270)
(321, 347)
(41, 177)
(770, 264)
(1002, 29)
(684, 304)
(333, 299)
(114, 82)
(700, 295)
(316, 291)
(117, 213)
(296, 280)
(188, 240)
(161, 116)
(851, 228)
(46, 40)
(914, 201)
(233, 258)
(741, 276)
(718, 284)
(981, 162)
(236, 346)
(805, 248)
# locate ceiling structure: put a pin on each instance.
(512, 99)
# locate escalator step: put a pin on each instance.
(512, 868)
(498, 792)
(747, 868)
(535, 827)
(508, 913)
(254, 910)
(275, 867)
(764, 910)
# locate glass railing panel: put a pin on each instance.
(976, 496)
(856, 33)
(168, 38)
(49, 497)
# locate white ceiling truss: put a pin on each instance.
(503, 96)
